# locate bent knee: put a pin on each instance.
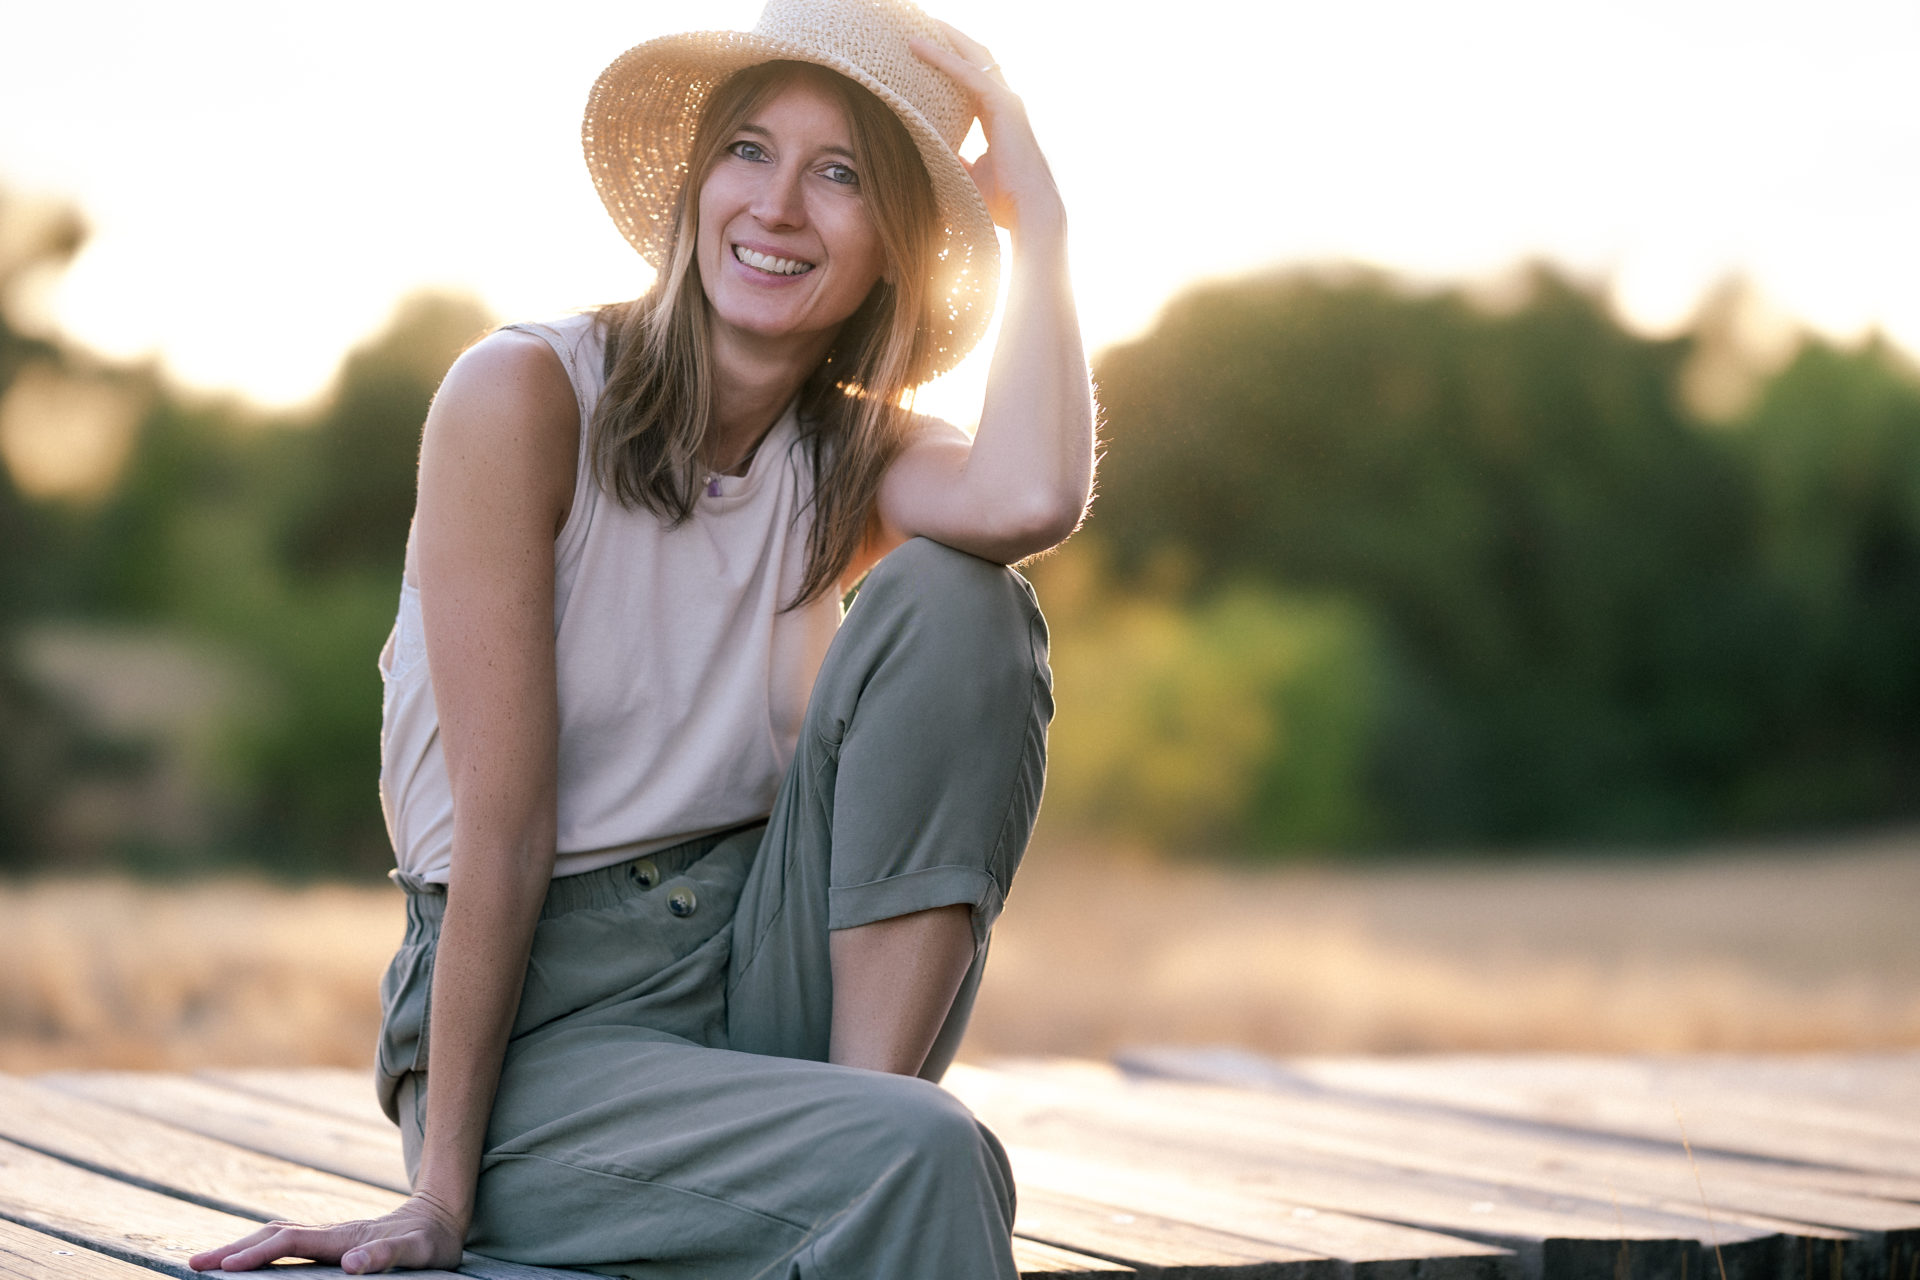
(962, 600)
(934, 1130)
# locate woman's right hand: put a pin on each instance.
(419, 1234)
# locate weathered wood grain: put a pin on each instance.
(1522, 1114)
(26, 1254)
(1167, 1248)
(335, 1090)
(189, 1166)
(1040, 1261)
(1213, 1134)
(1836, 1216)
(299, 1134)
(116, 1218)
(1657, 1176)
(1633, 1098)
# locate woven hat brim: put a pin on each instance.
(638, 132)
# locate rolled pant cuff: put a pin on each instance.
(852, 905)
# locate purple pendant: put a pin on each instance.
(713, 486)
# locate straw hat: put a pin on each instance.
(645, 107)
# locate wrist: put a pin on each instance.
(454, 1211)
(1040, 223)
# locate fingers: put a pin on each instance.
(275, 1241)
(279, 1240)
(1012, 175)
(409, 1237)
(967, 47)
(974, 70)
(211, 1259)
(417, 1248)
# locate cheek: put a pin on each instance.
(710, 217)
(862, 241)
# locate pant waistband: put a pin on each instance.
(604, 887)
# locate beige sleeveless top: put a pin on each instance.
(682, 684)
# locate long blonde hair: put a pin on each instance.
(647, 430)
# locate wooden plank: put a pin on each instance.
(1742, 1091)
(1661, 1158)
(121, 1220)
(1577, 1223)
(1329, 1188)
(1625, 1099)
(26, 1254)
(335, 1090)
(1039, 1261)
(175, 1162)
(180, 1163)
(298, 1134)
(1649, 1159)
(1222, 1197)
(1888, 1079)
(1164, 1247)
(1867, 1234)
(1367, 1250)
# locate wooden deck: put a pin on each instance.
(1175, 1164)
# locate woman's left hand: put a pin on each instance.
(1012, 173)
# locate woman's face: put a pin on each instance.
(786, 247)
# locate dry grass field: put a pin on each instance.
(1786, 948)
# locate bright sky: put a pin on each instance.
(265, 180)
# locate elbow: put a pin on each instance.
(1061, 517)
(1043, 522)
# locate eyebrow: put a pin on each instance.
(764, 132)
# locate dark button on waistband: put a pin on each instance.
(647, 872)
(681, 901)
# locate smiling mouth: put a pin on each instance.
(769, 264)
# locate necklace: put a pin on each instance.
(740, 468)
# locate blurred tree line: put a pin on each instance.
(1370, 566)
(1492, 576)
(272, 541)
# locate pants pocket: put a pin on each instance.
(406, 992)
(657, 958)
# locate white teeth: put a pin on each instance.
(765, 262)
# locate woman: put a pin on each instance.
(686, 919)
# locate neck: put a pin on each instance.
(753, 381)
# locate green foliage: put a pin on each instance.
(1237, 723)
(356, 512)
(1597, 619)
(278, 542)
(1833, 446)
(38, 743)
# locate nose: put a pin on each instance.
(779, 201)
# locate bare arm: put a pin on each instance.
(1022, 484)
(496, 478)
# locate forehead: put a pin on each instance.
(802, 101)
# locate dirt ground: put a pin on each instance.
(1788, 948)
(1783, 948)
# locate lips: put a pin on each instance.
(768, 263)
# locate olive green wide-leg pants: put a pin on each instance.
(665, 1110)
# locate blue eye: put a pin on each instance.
(748, 150)
(841, 174)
